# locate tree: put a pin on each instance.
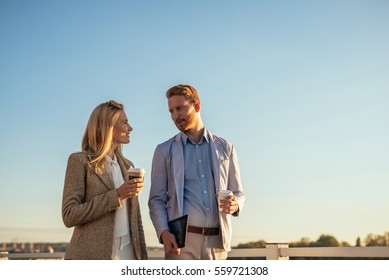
(304, 242)
(256, 244)
(377, 240)
(358, 242)
(326, 241)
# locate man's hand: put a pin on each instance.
(169, 243)
(229, 205)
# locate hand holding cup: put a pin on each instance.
(134, 185)
(227, 202)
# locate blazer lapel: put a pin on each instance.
(123, 166)
(178, 171)
(216, 154)
(106, 179)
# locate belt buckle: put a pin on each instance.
(203, 231)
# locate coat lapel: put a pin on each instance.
(104, 177)
(132, 208)
(178, 171)
(216, 154)
(124, 166)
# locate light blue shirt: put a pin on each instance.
(199, 186)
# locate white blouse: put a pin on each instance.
(121, 233)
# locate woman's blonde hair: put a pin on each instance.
(98, 136)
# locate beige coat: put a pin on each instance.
(88, 204)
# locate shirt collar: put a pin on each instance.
(110, 160)
(186, 139)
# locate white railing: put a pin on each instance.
(281, 251)
(273, 251)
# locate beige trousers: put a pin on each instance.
(199, 247)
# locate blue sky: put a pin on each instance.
(300, 88)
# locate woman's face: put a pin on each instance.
(121, 130)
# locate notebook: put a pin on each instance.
(179, 227)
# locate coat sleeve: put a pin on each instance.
(158, 197)
(77, 209)
(234, 181)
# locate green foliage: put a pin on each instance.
(304, 242)
(377, 240)
(256, 244)
(326, 240)
(345, 244)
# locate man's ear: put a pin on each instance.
(197, 106)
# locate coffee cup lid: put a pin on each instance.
(225, 192)
(138, 170)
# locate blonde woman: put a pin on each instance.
(98, 201)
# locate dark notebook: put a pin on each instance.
(179, 227)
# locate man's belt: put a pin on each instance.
(204, 231)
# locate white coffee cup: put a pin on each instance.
(222, 194)
(136, 173)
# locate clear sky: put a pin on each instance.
(300, 88)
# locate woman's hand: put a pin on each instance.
(131, 188)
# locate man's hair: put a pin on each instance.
(187, 91)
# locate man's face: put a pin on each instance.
(183, 113)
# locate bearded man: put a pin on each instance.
(188, 171)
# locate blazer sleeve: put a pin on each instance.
(77, 209)
(234, 181)
(158, 197)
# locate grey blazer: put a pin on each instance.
(167, 182)
(88, 204)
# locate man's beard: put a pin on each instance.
(187, 124)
